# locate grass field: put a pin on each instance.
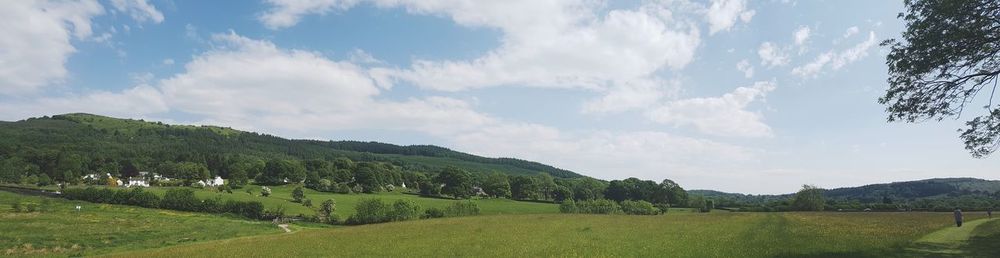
(282, 196)
(103, 228)
(673, 235)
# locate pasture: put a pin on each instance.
(281, 196)
(60, 230)
(810, 234)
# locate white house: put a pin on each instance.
(137, 181)
(211, 182)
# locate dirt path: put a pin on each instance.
(285, 227)
(945, 242)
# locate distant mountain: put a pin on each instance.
(97, 137)
(906, 190)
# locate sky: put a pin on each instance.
(732, 95)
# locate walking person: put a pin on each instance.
(989, 212)
(958, 217)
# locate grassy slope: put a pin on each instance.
(102, 228)
(675, 235)
(282, 196)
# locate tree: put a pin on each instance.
(567, 206)
(617, 191)
(326, 210)
(367, 178)
(524, 188)
(562, 193)
(298, 194)
(497, 185)
(810, 198)
(457, 182)
(277, 171)
(949, 52)
(192, 172)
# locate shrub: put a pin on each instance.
(277, 212)
(462, 208)
(298, 194)
(265, 191)
(663, 207)
(638, 208)
(370, 211)
(600, 206)
(212, 205)
(433, 213)
(307, 203)
(142, 198)
(405, 210)
(567, 206)
(181, 199)
(251, 209)
(325, 213)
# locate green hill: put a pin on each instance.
(44, 141)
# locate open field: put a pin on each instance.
(282, 196)
(103, 228)
(675, 235)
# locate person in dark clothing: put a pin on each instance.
(958, 217)
(989, 212)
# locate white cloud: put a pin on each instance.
(745, 67)
(620, 46)
(771, 55)
(139, 10)
(254, 85)
(631, 95)
(610, 46)
(722, 116)
(836, 60)
(33, 54)
(287, 13)
(723, 14)
(359, 56)
(168, 61)
(851, 31)
(801, 35)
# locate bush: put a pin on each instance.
(307, 203)
(601, 206)
(370, 211)
(462, 208)
(433, 213)
(265, 191)
(251, 209)
(298, 194)
(663, 207)
(567, 206)
(277, 212)
(181, 199)
(325, 212)
(405, 210)
(639, 208)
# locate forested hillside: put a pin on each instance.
(932, 194)
(72, 145)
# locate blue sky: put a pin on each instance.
(741, 96)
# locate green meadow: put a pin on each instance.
(281, 196)
(59, 230)
(813, 234)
